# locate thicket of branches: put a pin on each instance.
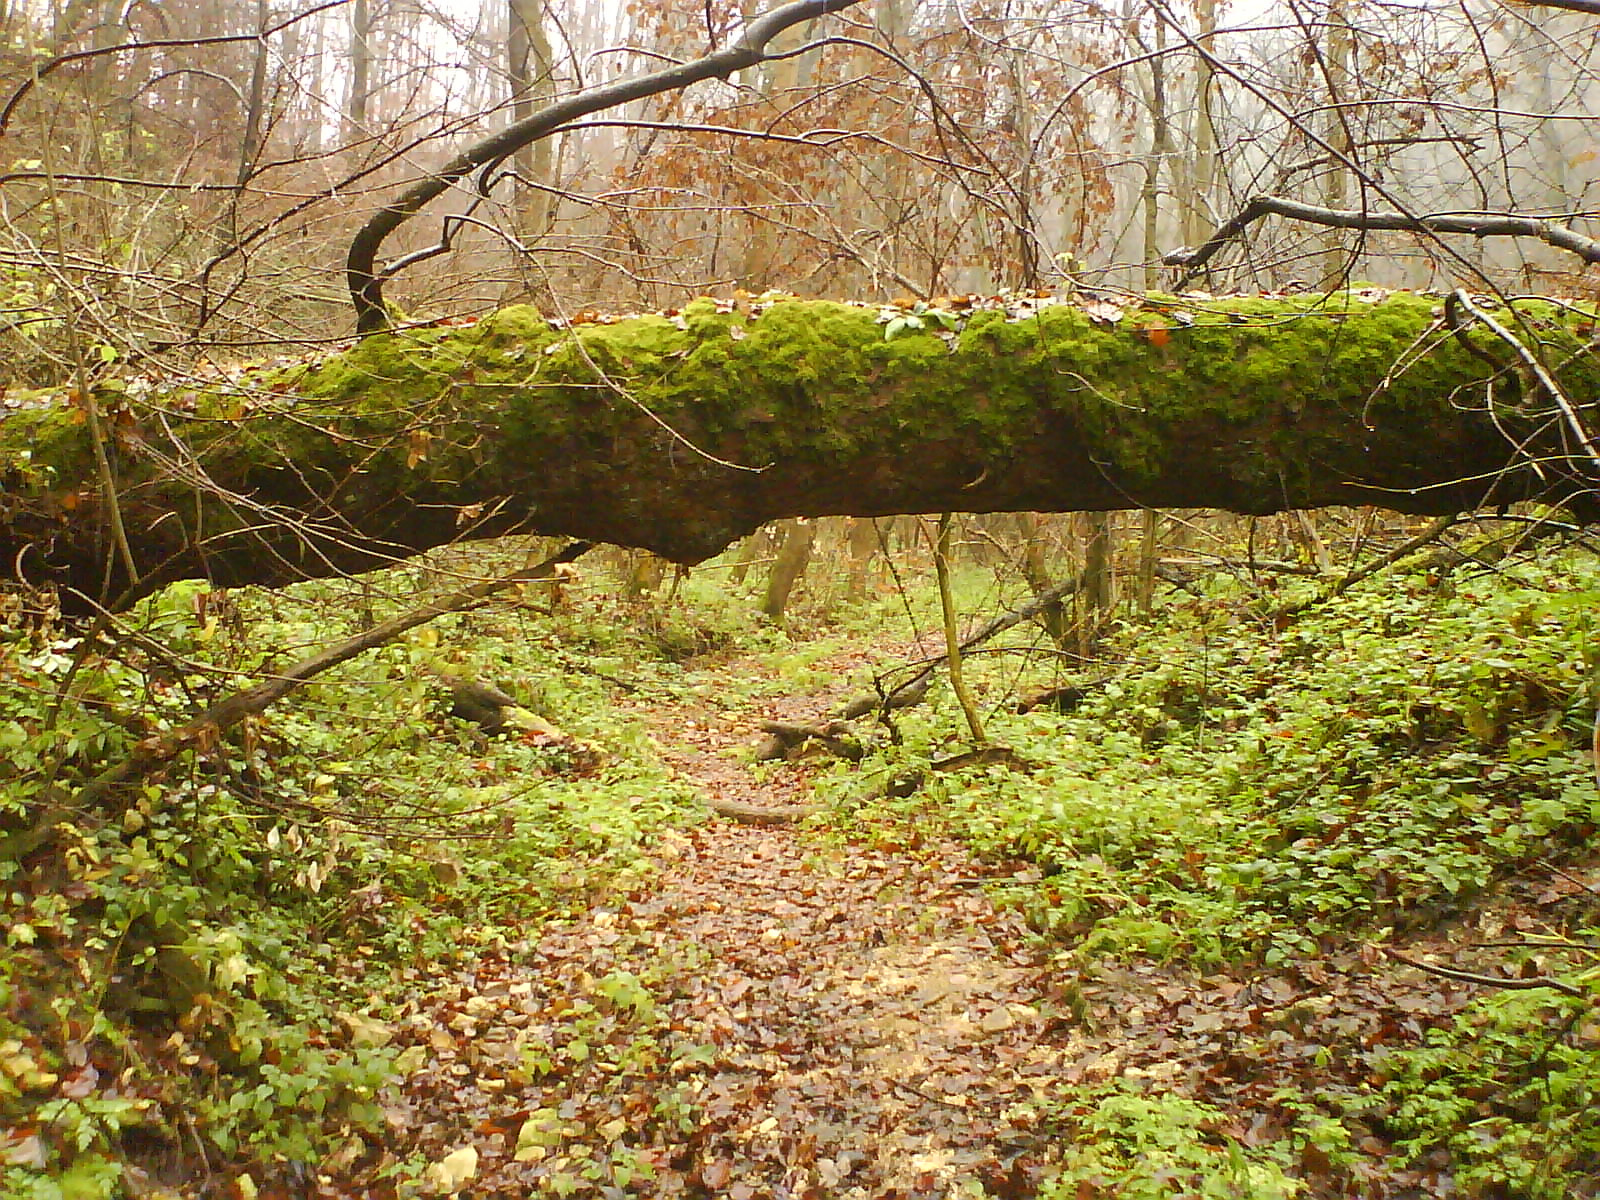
(184, 179)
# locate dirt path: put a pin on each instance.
(772, 1012)
(766, 1013)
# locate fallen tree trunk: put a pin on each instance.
(683, 431)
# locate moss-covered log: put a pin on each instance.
(681, 432)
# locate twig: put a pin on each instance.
(62, 60)
(1569, 413)
(203, 730)
(1592, 7)
(913, 1090)
(1519, 985)
(1000, 624)
(1476, 224)
(1427, 536)
(1572, 879)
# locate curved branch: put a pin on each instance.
(365, 283)
(1592, 7)
(1476, 224)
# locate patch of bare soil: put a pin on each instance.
(764, 1016)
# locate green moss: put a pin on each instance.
(818, 380)
(1271, 388)
(516, 324)
(43, 449)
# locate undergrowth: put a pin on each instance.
(196, 973)
(1241, 790)
(201, 972)
(1230, 789)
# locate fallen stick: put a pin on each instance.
(202, 732)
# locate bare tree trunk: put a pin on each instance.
(254, 117)
(303, 48)
(1335, 260)
(355, 105)
(1099, 591)
(863, 544)
(1160, 152)
(642, 574)
(793, 555)
(1149, 551)
(1035, 566)
(1022, 109)
(1197, 217)
(532, 70)
(952, 635)
(749, 551)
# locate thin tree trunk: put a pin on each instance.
(863, 544)
(749, 551)
(355, 105)
(952, 635)
(793, 555)
(1197, 216)
(1035, 567)
(532, 71)
(1160, 152)
(1335, 259)
(254, 118)
(1099, 586)
(642, 575)
(1149, 551)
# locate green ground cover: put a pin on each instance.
(212, 961)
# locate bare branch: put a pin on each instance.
(1569, 411)
(819, 139)
(204, 729)
(1474, 224)
(1592, 7)
(62, 60)
(1431, 534)
(1495, 981)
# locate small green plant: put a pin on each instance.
(1510, 1090)
(1139, 1147)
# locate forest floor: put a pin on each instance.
(1258, 912)
(766, 1011)
(787, 1011)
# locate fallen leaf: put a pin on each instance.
(453, 1171)
(21, 1149)
(366, 1031)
